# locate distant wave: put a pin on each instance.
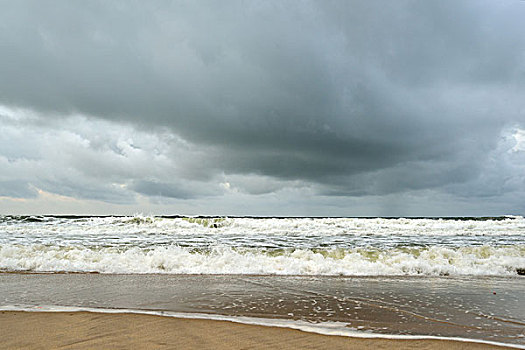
(508, 225)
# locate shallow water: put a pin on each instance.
(487, 308)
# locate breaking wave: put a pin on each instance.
(429, 261)
(287, 246)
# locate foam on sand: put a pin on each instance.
(324, 328)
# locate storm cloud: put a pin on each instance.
(332, 100)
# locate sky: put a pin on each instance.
(264, 108)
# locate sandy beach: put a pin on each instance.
(84, 330)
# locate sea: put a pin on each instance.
(460, 278)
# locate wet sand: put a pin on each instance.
(489, 309)
(84, 330)
(486, 309)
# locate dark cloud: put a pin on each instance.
(151, 188)
(346, 98)
(174, 190)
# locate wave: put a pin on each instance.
(509, 225)
(428, 261)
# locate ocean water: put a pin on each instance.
(371, 277)
(264, 246)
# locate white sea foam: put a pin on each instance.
(272, 226)
(291, 246)
(483, 260)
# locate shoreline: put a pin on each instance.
(518, 275)
(394, 308)
(83, 329)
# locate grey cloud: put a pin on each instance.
(351, 98)
(254, 184)
(17, 189)
(93, 159)
(188, 190)
(151, 188)
(82, 187)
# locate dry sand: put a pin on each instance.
(83, 330)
